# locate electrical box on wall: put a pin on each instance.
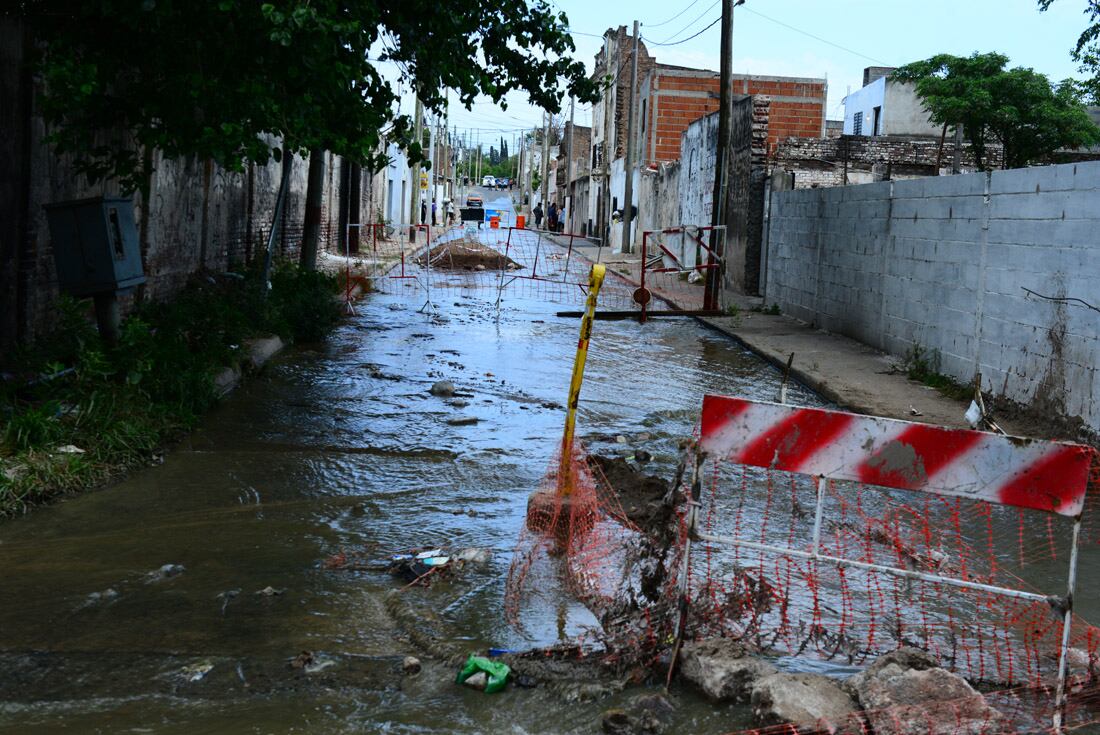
(95, 245)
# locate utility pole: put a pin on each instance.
(628, 194)
(414, 197)
(956, 158)
(721, 177)
(569, 158)
(433, 162)
(610, 96)
(545, 183)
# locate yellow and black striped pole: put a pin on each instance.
(565, 479)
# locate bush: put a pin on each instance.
(304, 303)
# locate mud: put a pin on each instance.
(646, 500)
(468, 255)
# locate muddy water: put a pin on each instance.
(340, 446)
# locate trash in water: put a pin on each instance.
(436, 561)
(165, 572)
(474, 556)
(411, 566)
(227, 597)
(195, 672)
(411, 665)
(496, 673)
(100, 598)
(269, 591)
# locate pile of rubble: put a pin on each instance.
(904, 691)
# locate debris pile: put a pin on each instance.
(467, 255)
(416, 566)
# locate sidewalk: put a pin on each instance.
(854, 376)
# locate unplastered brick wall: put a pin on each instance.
(678, 96)
(945, 264)
(823, 161)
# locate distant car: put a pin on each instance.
(474, 201)
(488, 181)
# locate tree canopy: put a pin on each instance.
(1087, 50)
(1018, 108)
(225, 79)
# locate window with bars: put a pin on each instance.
(857, 124)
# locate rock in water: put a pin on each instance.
(805, 700)
(648, 714)
(477, 681)
(722, 668)
(903, 658)
(411, 665)
(935, 701)
(443, 388)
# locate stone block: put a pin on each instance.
(722, 668)
(805, 700)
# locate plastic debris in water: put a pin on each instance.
(496, 673)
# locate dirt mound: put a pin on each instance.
(644, 498)
(467, 255)
(648, 502)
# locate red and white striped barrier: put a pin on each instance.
(1025, 473)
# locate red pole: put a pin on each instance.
(645, 301)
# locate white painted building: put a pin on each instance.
(883, 107)
(396, 187)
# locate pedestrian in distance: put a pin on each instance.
(423, 211)
(552, 217)
(434, 223)
(537, 211)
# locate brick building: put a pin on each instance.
(580, 138)
(672, 97)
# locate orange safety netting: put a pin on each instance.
(780, 605)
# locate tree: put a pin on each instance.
(1087, 50)
(1019, 108)
(228, 79)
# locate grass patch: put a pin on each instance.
(772, 310)
(923, 366)
(75, 411)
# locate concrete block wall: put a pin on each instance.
(942, 263)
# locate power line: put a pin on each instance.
(572, 32)
(666, 22)
(666, 42)
(685, 40)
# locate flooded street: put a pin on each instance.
(340, 446)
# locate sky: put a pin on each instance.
(831, 39)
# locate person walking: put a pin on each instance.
(552, 217)
(434, 223)
(537, 211)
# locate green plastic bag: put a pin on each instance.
(496, 671)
